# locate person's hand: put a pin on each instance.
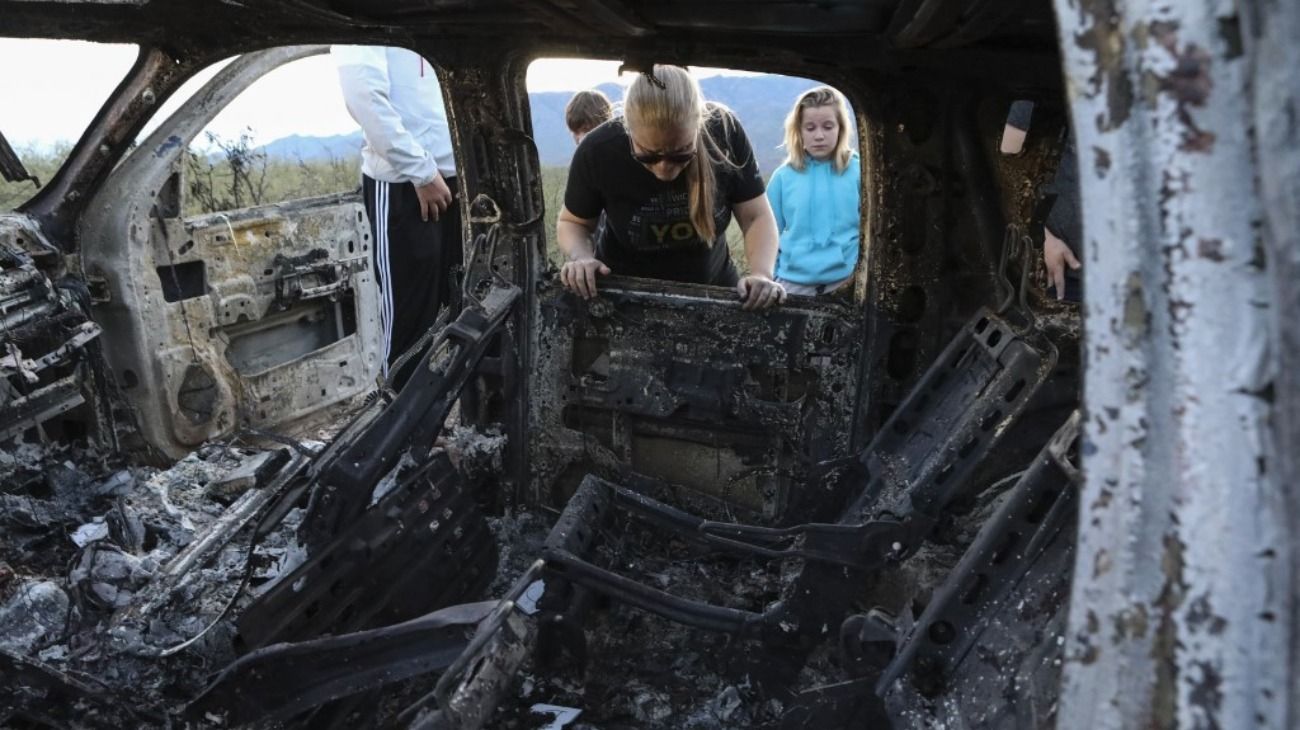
(434, 198)
(1056, 256)
(760, 292)
(579, 275)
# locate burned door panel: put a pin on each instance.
(679, 383)
(255, 317)
(287, 284)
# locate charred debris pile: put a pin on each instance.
(358, 582)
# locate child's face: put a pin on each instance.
(819, 130)
(578, 134)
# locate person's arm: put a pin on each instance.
(758, 289)
(573, 230)
(1013, 140)
(745, 193)
(573, 236)
(774, 196)
(1017, 126)
(363, 78)
(1063, 229)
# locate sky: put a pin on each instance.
(40, 110)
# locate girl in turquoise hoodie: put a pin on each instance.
(814, 194)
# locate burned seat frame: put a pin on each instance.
(354, 578)
(922, 458)
(895, 491)
(1038, 508)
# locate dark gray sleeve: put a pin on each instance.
(1020, 114)
(1065, 220)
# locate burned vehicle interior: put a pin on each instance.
(651, 509)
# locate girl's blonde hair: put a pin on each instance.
(669, 98)
(820, 96)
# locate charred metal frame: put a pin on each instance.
(360, 572)
(1042, 504)
(923, 457)
(50, 362)
(359, 554)
(925, 163)
(412, 421)
(742, 405)
(280, 681)
(926, 453)
(482, 84)
(249, 267)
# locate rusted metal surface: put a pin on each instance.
(212, 324)
(153, 77)
(1178, 582)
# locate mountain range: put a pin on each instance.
(761, 103)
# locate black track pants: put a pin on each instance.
(413, 260)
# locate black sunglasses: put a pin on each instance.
(654, 158)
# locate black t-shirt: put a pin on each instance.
(648, 229)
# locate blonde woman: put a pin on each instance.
(668, 176)
(814, 195)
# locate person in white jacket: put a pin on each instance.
(409, 184)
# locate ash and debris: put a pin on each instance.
(643, 671)
(1012, 674)
(87, 537)
(476, 454)
(520, 538)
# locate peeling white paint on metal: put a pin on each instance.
(1164, 625)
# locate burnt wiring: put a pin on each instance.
(9, 335)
